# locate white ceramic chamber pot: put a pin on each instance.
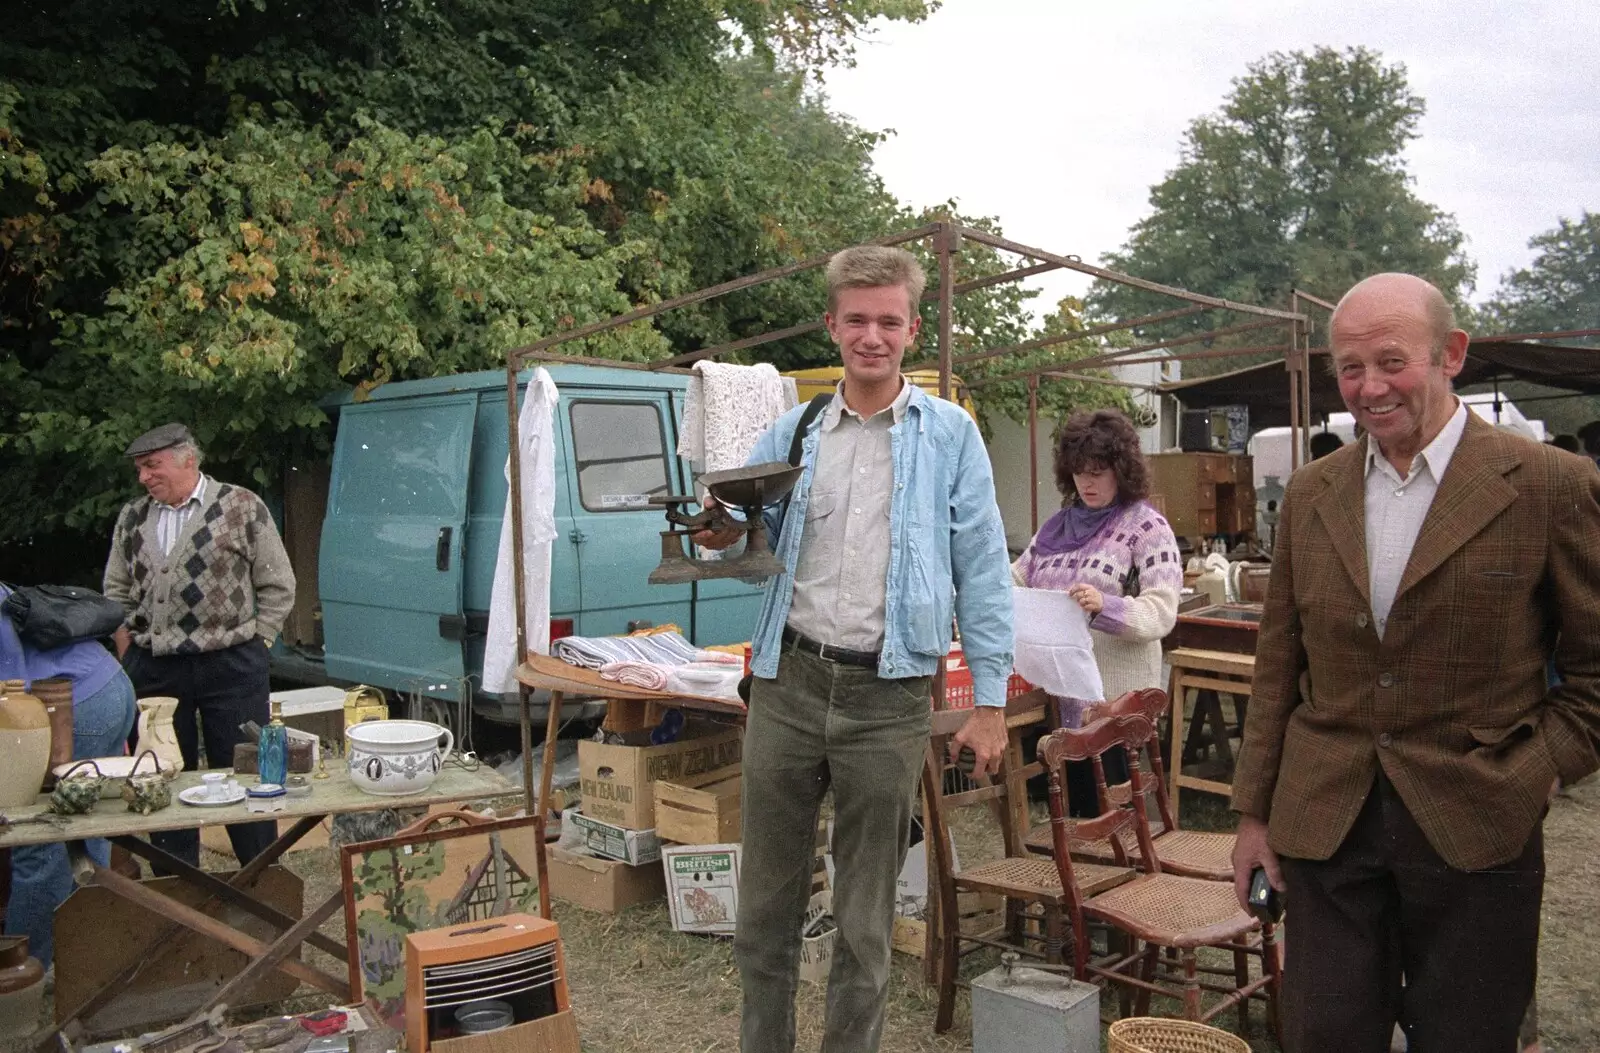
(393, 758)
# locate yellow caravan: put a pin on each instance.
(812, 382)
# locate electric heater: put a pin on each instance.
(508, 970)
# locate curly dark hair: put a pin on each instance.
(1096, 441)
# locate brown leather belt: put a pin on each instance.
(842, 655)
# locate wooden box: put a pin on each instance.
(705, 815)
(1232, 627)
(1205, 494)
(603, 885)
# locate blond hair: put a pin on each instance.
(873, 267)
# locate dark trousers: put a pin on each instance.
(819, 726)
(220, 690)
(1386, 906)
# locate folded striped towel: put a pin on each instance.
(719, 658)
(637, 674)
(592, 652)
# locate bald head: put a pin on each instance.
(1394, 349)
(1394, 293)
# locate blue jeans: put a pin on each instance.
(41, 880)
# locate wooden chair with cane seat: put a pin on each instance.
(1035, 920)
(1191, 853)
(1156, 909)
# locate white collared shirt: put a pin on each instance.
(171, 519)
(1396, 508)
(842, 573)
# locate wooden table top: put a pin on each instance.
(1214, 661)
(335, 795)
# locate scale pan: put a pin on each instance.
(755, 484)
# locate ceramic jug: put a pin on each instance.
(21, 989)
(156, 732)
(24, 745)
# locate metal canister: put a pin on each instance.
(478, 1018)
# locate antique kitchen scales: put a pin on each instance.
(749, 489)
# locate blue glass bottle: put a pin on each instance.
(272, 758)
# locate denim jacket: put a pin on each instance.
(947, 548)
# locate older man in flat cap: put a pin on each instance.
(200, 570)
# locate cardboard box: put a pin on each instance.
(633, 847)
(617, 782)
(604, 885)
(705, 815)
(702, 887)
(816, 952)
(980, 913)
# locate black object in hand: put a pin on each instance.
(967, 761)
(1266, 902)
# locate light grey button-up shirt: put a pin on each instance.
(1396, 507)
(843, 566)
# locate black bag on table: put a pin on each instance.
(50, 616)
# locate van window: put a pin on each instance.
(621, 454)
(403, 459)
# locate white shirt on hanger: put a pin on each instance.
(536, 430)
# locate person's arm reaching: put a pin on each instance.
(1274, 692)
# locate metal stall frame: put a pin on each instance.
(946, 237)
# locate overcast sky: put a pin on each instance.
(1058, 115)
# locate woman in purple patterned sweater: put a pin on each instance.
(1114, 554)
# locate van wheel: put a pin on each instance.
(438, 712)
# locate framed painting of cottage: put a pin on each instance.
(426, 876)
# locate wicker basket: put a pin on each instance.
(1148, 1034)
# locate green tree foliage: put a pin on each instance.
(1558, 291)
(219, 212)
(1298, 181)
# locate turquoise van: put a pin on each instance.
(411, 530)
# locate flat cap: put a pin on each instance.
(158, 439)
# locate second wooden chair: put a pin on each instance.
(1157, 910)
(1192, 853)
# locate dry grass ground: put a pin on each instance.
(639, 987)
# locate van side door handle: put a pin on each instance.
(441, 551)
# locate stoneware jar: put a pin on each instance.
(392, 758)
(156, 732)
(56, 694)
(24, 745)
(21, 989)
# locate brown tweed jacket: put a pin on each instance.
(1453, 701)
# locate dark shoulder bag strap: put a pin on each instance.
(817, 404)
(814, 407)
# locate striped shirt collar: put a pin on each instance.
(196, 496)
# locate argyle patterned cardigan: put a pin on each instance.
(226, 581)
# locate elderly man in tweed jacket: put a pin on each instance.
(199, 568)
(1402, 741)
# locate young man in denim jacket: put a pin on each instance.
(890, 535)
